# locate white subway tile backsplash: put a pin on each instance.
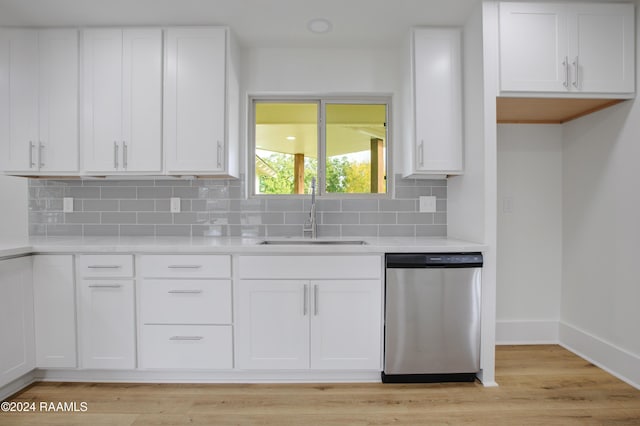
(119, 217)
(159, 218)
(153, 192)
(212, 207)
(138, 205)
(118, 193)
(100, 205)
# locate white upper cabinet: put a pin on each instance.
(200, 103)
(570, 49)
(122, 120)
(39, 101)
(434, 143)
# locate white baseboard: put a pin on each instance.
(526, 332)
(220, 376)
(614, 360)
(17, 385)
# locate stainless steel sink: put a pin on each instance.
(313, 242)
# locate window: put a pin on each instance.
(342, 143)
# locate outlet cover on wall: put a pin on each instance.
(67, 204)
(175, 204)
(428, 204)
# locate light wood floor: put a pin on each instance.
(539, 385)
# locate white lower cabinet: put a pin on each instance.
(345, 324)
(54, 311)
(17, 353)
(272, 324)
(106, 313)
(185, 312)
(319, 324)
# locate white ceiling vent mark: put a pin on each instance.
(320, 26)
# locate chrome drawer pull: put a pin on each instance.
(185, 291)
(315, 299)
(115, 154)
(104, 266)
(186, 338)
(304, 301)
(40, 148)
(105, 285)
(184, 266)
(31, 146)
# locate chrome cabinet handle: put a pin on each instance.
(184, 291)
(576, 76)
(104, 266)
(125, 150)
(305, 298)
(565, 64)
(115, 154)
(31, 146)
(184, 266)
(40, 148)
(315, 299)
(421, 153)
(186, 338)
(105, 285)
(219, 153)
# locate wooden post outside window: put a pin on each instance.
(298, 174)
(377, 165)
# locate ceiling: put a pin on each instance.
(257, 23)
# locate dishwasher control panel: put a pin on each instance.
(434, 260)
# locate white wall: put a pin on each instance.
(529, 266)
(301, 71)
(471, 196)
(600, 313)
(601, 283)
(14, 214)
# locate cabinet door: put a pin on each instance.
(346, 324)
(195, 100)
(438, 100)
(58, 101)
(272, 324)
(601, 47)
(533, 47)
(54, 306)
(102, 118)
(17, 352)
(142, 100)
(18, 100)
(106, 324)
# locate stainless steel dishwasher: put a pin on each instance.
(432, 317)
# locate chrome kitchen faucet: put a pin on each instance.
(311, 224)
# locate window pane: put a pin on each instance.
(356, 148)
(286, 147)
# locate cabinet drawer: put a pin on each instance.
(105, 265)
(310, 267)
(185, 301)
(186, 347)
(184, 266)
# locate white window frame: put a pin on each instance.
(322, 101)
